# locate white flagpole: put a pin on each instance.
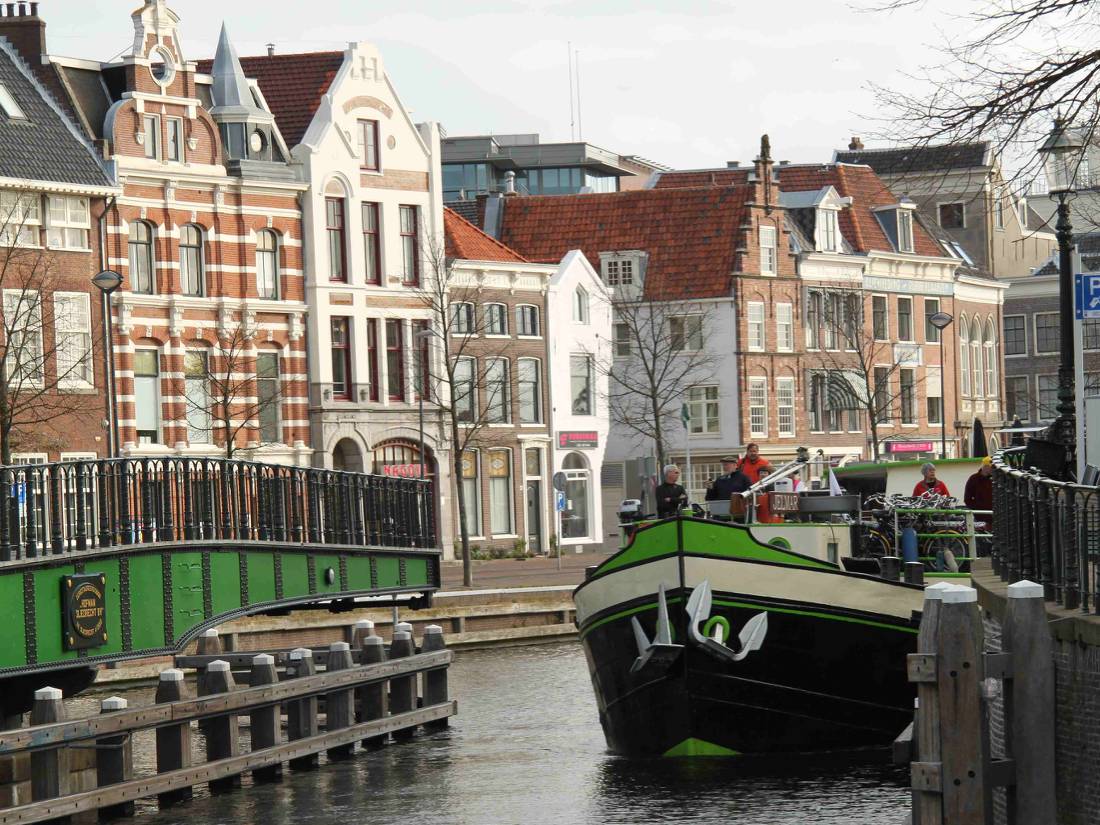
(686, 418)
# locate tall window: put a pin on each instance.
(813, 320)
(527, 320)
(195, 371)
(905, 319)
(576, 521)
(191, 269)
(500, 492)
(267, 395)
(908, 396)
(880, 321)
(989, 344)
(784, 405)
(758, 407)
(337, 246)
(423, 378)
(702, 404)
(756, 326)
(498, 401)
(368, 134)
(496, 319)
(152, 136)
(964, 356)
(832, 305)
(784, 327)
(69, 223)
(147, 396)
(976, 358)
(932, 378)
(1090, 334)
(1048, 396)
(462, 318)
(931, 307)
(905, 230)
(267, 264)
(767, 250)
(73, 331)
(1017, 398)
(471, 492)
(341, 359)
(624, 346)
(827, 234)
(465, 391)
(372, 359)
(817, 401)
(1047, 332)
(686, 333)
(395, 359)
(410, 245)
(20, 219)
(24, 359)
(883, 407)
(141, 258)
(174, 145)
(372, 248)
(528, 379)
(952, 215)
(580, 384)
(580, 305)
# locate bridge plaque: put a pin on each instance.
(84, 606)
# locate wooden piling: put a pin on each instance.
(404, 627)
(114, 760)
(373, 699)
(435, 681)
(402, 688)
(173, 741)
(50, 771)
(890, 568)
(222, 734)
(340, 704)
(264, 722)
(209, 644)
(362, 629)
(927, 806)
(914, 572)
(301, 714)
(1029, 706)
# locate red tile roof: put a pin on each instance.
(858, 223)
(292, 84)
(690, 234)
(466, 241)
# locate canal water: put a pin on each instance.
(526, 749)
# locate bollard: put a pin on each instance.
(362, 629)
(926, 730)
(340, 704)
(210, 643)
(1029, 705)
(114, 760)
(373, 698)
(221, 731)
(301, 714)
(435, 680)
(50, 775)
(405, 627)
(914, 572)
(890, 568)
(264, 723)
(402, 688)
(173, 741)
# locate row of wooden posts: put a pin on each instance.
(953, 773)
(369, 692)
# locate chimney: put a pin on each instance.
(270, 49)
(855, 144)
(509, 182)
(25, 30)
(765, 191)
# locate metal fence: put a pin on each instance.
(74, 506)
(1046, 531)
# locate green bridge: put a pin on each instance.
(118, 559)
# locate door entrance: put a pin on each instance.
(534, 516)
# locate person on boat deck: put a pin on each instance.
(752, 465)
(929, 484)
(979, 493)
(671, 495)
(731, 481)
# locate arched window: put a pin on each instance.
(576, 521)
(267, 264)
(191, 264)
(976, 358)
(527, 320)
(580, 305)
(141, 258)
(990, 345)
(336, 231)
(496, 319)
(964, 356)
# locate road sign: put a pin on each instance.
(559, 502)
(559, 480)
(1086, 290)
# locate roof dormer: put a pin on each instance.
(817, 212)
(897, 222)
(624, 271)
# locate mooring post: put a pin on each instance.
(114, 760)
(340, 704)
(435, 680)
(173, 741)
(209, 644)
(373, 698)
(222, 737)
(49, 766)
(301, 714)
(362, 629)
(914, 572)
(1029, 705)
(890, 568)
(264, 722)
(402, 688)
(405, 627)
(927, 802)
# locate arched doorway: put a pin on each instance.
(400, 458)
(576, 519)
(346, 455)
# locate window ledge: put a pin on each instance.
(533, 424)
(530, 337)
(505, 536)
(497, 335)
(78, 389)
(786, 435)
(500, 425)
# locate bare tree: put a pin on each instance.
(660, 352)
(225, 390)
(46, 342)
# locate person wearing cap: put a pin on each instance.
(929, 484)
(730, 482)
(979, 493)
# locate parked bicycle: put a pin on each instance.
(940, 526)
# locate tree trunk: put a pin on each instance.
(460, 497)
(658, 433)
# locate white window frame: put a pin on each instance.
(474, 507)
(198, 418)
(498, 398)
(501, 310)
(939, 333)
(784, 327)
(1039, 397)
(756, 319)
(906, 240)
(176, 123)
(465, 406)
(29, 458)
(78, 456)
(31, 310)
(758, 386)
(886, 300)
(619, 271)
(784, 402)
(580, 305)
(519, 323)
(151, 126)
(912, 327)
(769, 250)
(932, 380)
(699, 403)
(914, 418)
(72, 230)
(22, 210)
(690, 335)
(1035, 332)
(589, 379)
(276, 404)
(73, 377)
(523, 364)
(9, 105)
(827, 230)
(623, 344)
(158, 407)
(463, 319)
(510, 530)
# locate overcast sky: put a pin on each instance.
(687, 83)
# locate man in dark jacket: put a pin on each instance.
(979, 493)
(671, 496)
(731, 481)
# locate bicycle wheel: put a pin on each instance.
(877, 544)
(945, 548)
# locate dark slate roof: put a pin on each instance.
(910, 159)
(45, 146)
(467, 210)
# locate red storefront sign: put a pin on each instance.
(910, 446)
(401, 470)
(582, 440)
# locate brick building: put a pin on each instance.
(54, 192)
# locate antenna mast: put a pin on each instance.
(569, 54)
(580, 116)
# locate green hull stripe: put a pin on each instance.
(622, 614)
(699, 747)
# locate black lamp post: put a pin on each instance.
(941, 321)
(1062, 153)
(107, 282)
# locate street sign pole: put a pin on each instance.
(1082, 309)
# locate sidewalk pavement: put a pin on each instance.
(532, 572)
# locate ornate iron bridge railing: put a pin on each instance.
(1046, 531)
(69, 507)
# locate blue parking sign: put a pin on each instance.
(1086, 293)
(559, 502)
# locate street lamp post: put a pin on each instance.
(941, 321)
(107, 282)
